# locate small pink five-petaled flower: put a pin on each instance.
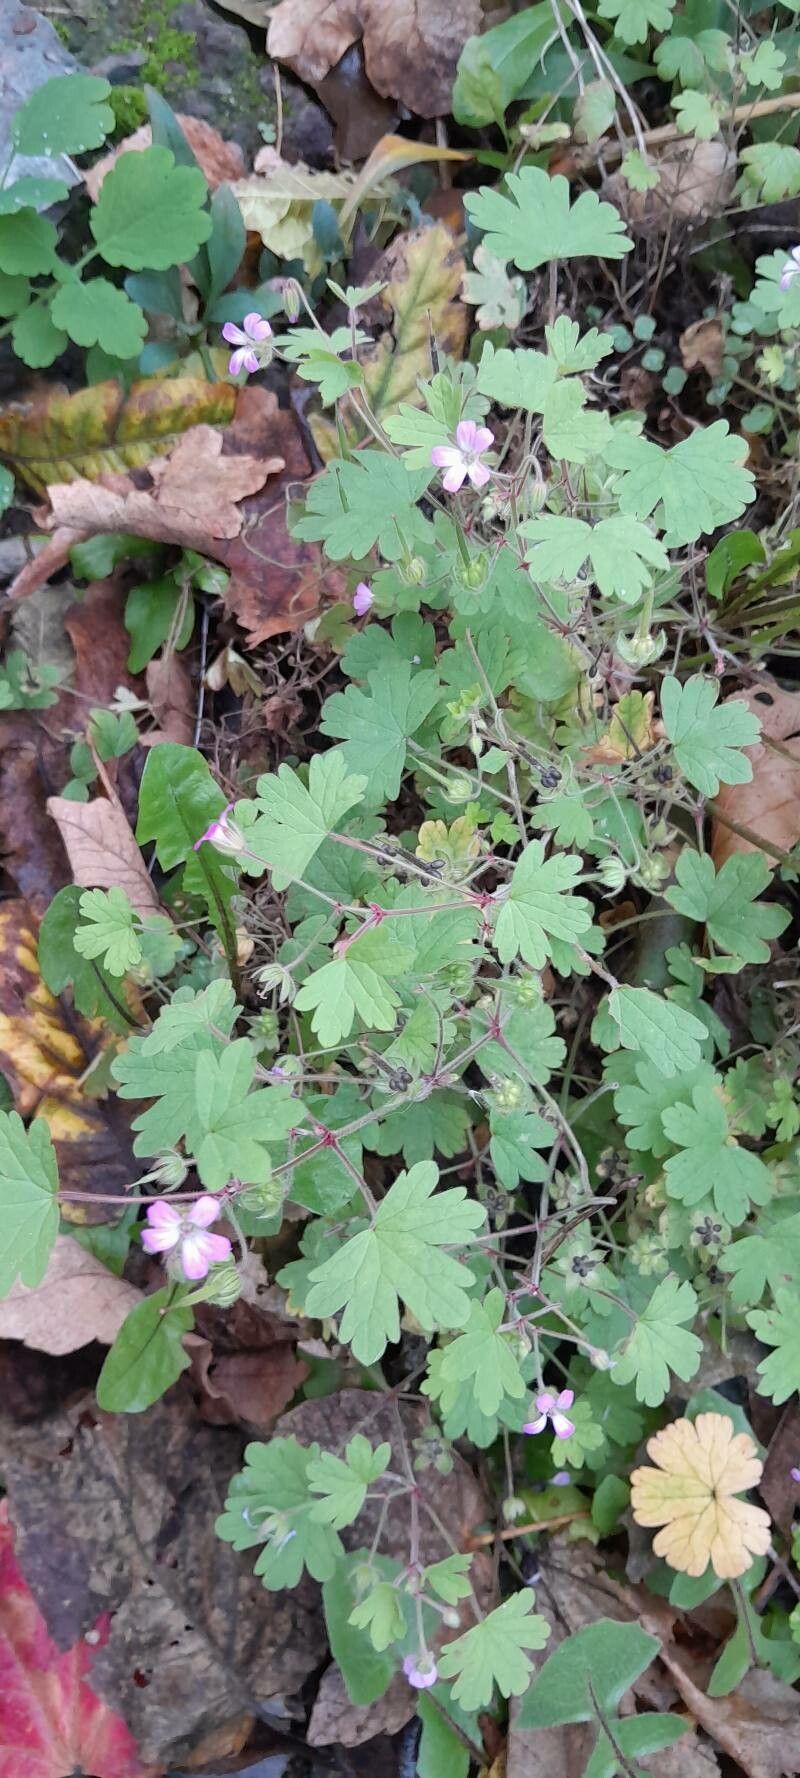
(463, 459)
(222, 833)
(186, 1233)
(791, 268)
(551, 1408)
(420, 1669)
(252, 333)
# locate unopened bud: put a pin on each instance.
(601, 1359)
(291, 300)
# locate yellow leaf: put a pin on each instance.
(702, 1465)
(629, 733)
(56, 437)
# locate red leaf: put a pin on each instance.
(51, 1723)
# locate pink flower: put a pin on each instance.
(561, 1479)
(795, 1475)
(362, 599)
(551, 1408)
(222, 833)
(187, 1233)
(463, 458)
(791, 268)
(420, 1670)
(252, 333)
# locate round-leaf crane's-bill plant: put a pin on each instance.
(531, 1176)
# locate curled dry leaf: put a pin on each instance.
(219, 161)
(411, 47)
(701, 1466)
(701, 344)
(101, 849)
(171, 699)
(126, 1524)
(45, 1051)
(696, 180)
(186, 498)
(78, 1300)
(51, 1721)
(335, 1718)
(757, 1725)
(770, 804)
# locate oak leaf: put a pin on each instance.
(101, 849)
(701, 1466)
(192, 497)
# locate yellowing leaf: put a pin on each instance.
(56, 437)
(277, 202)
(702, 1465)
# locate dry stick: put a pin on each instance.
(669, 132)
(484, 1537)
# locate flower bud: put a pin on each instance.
(223, 1285)
(600, 1358)
(458, 790)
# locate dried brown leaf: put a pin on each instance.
(777, 1488)
(125, 1524)
(78, 1300)
(702, 344)
(334, 1718)
(101, 849)
(171, 698)
(219, 161)
(192, 494)
(696, 180)
(770, 804)
(247, 1389)
(411, 47)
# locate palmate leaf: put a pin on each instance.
(368, 500)
(639, 1106)
(342, 1482)
(150, 213)
(635, 19)
(667, 1034)
(622, 553)
(294, 820)
(28, 1200)
(724, 902)
(482, 1358)
(356, 983)
(694, 487)
(711, 1164)
(211, 1009)
(537, 223)
(111, 932)
(707, 736)
(494, 1653)
(573, 351)
(169, 1081)
(779, 1327)
(660, 1343)
(375, 725)
(768, 1256)
(27, 244)
(400, 1258)
(230, 1126)
(270, 1502)
(538, 905)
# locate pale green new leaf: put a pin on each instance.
(621, 550)
(212, 1009)
(537, 223)
(764, 66)
(111, 934)
(381, 1615)
(779, 1327)
(400, 1259)
(634, 19)
(538, 905)
(707, 736)
(595, 110)
(150, 213)
(269, 1502)
(694, 487)
(660, 1343)
(449, 1579)
(572, 431)
(768, 1256)
(98, 314)
(28, 1200)
(520, 378)
(772, 171)
(639, 1107)
(493, 1653)
(696, 114)
(725, 903)
(293, 821)
(231, 1125)
(365, 501)
(343, 1481)
(711, 1163)
(573, 351)
(483, 1357)
(66, 115)
(375, 726)
(356, 983)
(669, 1036)
(500, 298)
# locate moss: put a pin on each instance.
(164, 47)
(129, 106)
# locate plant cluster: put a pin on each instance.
(447, 987)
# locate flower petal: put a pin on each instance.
(562, 1427)
(454, 479)
(234, 334)
(255, 326)
(545, 1402)
(479, 475)
(534, 1426)
(565, 1399)
(443, 455)
(163, 1214)
(160, 1240)
(467, 435)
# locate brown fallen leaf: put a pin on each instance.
(702, 344)
(757, 1726)
(45, 1050)
(171, 698)
(102, 851)
(335, 1719)
(248, 1389)
(219, 161)
(192, 494)
(32, 763)
(125, 1524)
(777, 1488)
(770, 804)
(696, 180)
(78, 1301)
(411, 47)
